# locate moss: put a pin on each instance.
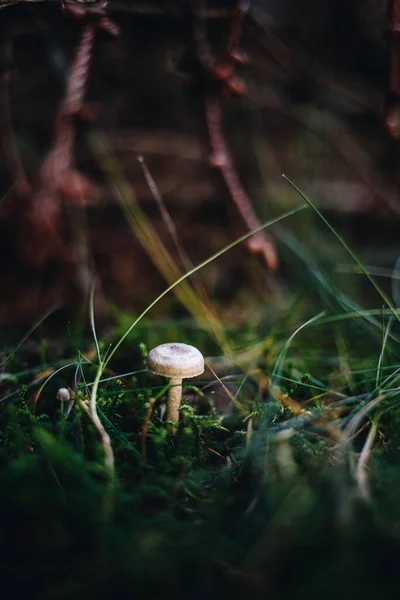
(209, 512)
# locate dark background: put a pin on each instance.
(317, 84)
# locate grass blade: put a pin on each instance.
(347, 248)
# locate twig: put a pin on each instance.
(139, 7)
(46, 199)
(260, 242)
(166, 217)
(91, 410)
(221, 158)
(235, 32)
(249, 432)
(145, 428)
(361, 472)
(55, 178)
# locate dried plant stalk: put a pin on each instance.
(46, 197)
(221, 158)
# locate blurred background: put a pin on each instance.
(314, 90)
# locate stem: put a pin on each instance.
(260, 242)
(105, 441)
(361, 474)
(145, 428)
(174, 402)
(92, 412)
(46, 203)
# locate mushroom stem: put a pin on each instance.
(67, 400)
(174, 402)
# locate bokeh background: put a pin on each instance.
(317, 84)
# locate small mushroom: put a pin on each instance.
(175, 361)
(66, 400)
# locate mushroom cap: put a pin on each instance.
(63, 395)
(175, 361)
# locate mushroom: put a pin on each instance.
(67, 402)
(175, 361)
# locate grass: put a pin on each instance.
(282, 480)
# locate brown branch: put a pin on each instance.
(235, 31)
(144, 7)
(145, 428)
(109, 462)
(221, 158)
(46, 197)
(56, 179)
(258, 243)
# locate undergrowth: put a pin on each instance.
(280, 482)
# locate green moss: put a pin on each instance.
(229, 506)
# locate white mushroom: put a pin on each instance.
(67, 402)
(175, 361)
